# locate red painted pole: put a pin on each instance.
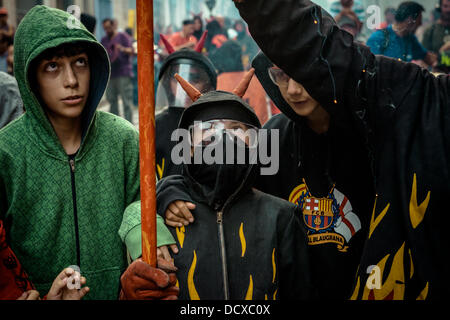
(147, 128)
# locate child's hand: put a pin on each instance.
(178, 213)
(29, 295)
(60, 290)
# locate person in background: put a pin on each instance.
(89, 22)
(215, 39)
(351, 5)
(171, 99)
(11, 105)
(398, 40)
(249, 46)
(198, 27)
(10, 60)
(389, 18)
(5, 29)
(350, 24)
(346, 11)
(5, 43)
(134, 60)
(120, 51)
(437, 37)
(184, 38)
(231, 71)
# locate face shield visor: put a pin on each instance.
(170, 93)
(204, 133)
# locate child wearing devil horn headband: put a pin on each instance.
(244, 244)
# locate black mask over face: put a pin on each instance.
(220, 181)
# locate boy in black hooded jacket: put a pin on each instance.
(244, 244)
(402, 115)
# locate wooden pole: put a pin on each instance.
(147, 128)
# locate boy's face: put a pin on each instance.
(293, 93)
(445, 10)
(63, 84)
(109, 28)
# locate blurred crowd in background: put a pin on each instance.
(230, 47)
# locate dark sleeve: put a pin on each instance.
(170, 189)
(293, 259)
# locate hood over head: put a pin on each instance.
(45, 28)
(262, 64)
(220, 182)
(219, 105)
(184, 55)
(193, 67)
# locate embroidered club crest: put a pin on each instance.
(327, 220)
(317, 213)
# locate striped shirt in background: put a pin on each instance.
(358, 9)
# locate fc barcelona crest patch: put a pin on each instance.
(327, 220)
(317, 213)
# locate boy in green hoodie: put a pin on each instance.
(67, 171)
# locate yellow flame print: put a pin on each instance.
(160, 168)
(275, 294)
(242, 237)
(180, 235)
(249, 295)
(193, 294)
(424, 293)
(375, 222)
(394, 286)
(417, 212)
(274, 266)
(411, 271)
(355, 292)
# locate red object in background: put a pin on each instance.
(255, 95)
(274, 108)
(13, 278)
(146, 89)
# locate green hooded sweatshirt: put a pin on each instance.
(58, 215)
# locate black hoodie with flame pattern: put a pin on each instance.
(248, 245)
(403, 115)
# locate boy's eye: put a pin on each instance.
(81, 62)
(51, 66)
